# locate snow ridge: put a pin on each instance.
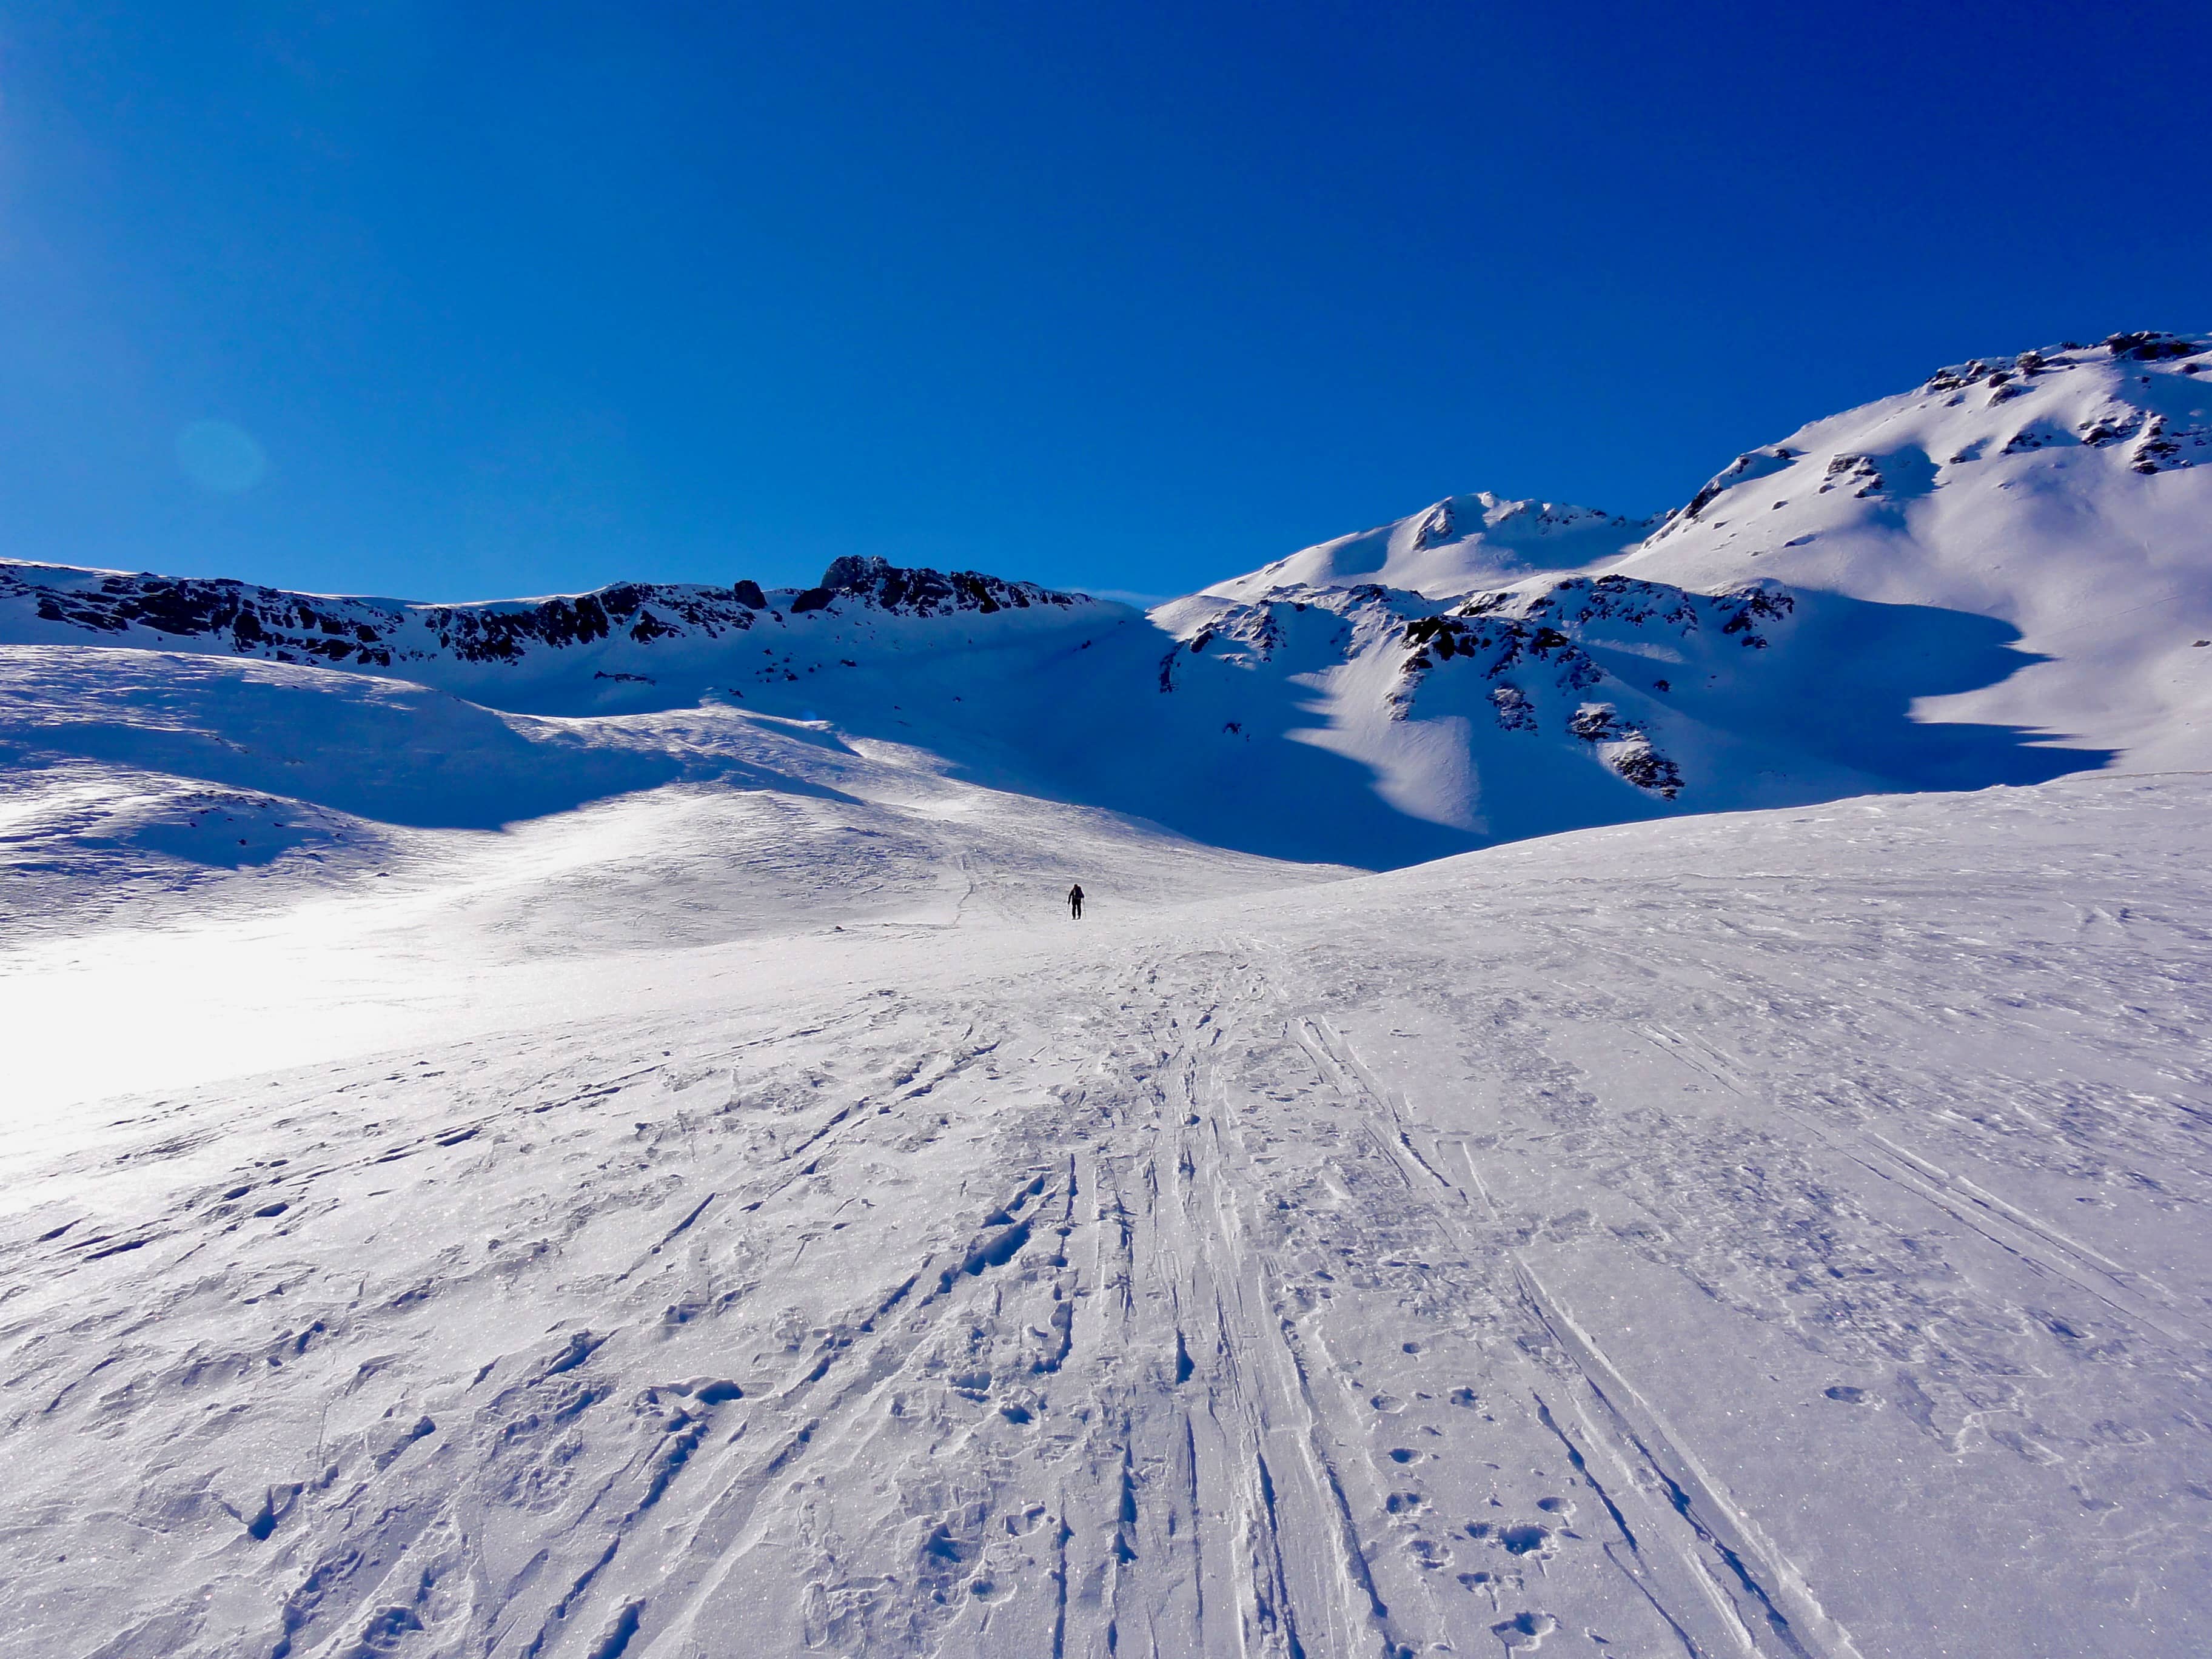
(1455, 546)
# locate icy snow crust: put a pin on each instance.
(1778, 1234)
(580, 1126)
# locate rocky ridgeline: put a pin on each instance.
(369, 634)
(1533, 634)
(1752, 463)
(905, 593)
(2155, 444)
(2006, 377)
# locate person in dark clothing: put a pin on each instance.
(1075, 902)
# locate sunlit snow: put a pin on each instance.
(596, 1135)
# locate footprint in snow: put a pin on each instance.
(1427, 1554)
(1524, 1629)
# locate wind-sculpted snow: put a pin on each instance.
(1776, 1234)
(163, 788)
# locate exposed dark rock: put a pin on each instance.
(1595, 722)
(1518, 632)
(920, 592)
(1438, 528)
(1860, 470)
(1647, 769)
(2111, 427)
(2149, 345)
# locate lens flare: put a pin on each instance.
(221, 457)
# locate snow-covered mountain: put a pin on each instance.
(2065, 494)
(1999, 577)
(2003, 576)
(630, 646)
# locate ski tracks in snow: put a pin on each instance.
(1201, 1288)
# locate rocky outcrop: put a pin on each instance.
(1528, 642)
(924, 593)
(1528, 647)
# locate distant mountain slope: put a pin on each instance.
(1998, 578)
(612, 648)
(2064, 492)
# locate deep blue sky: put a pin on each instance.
(523, 299)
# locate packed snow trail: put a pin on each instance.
(1780, 1234)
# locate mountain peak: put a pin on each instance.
(1457, 545)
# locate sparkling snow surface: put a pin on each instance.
(649, 1232)
(582, 1129)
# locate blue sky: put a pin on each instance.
(462, 300)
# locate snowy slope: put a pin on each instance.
(2065, 493)
(1776, 1234)
(148, 790)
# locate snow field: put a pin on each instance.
(1774, 1234)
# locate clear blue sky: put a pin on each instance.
(523, 299)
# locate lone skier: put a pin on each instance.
(1075, 902)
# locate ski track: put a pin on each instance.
(1350, 1283)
